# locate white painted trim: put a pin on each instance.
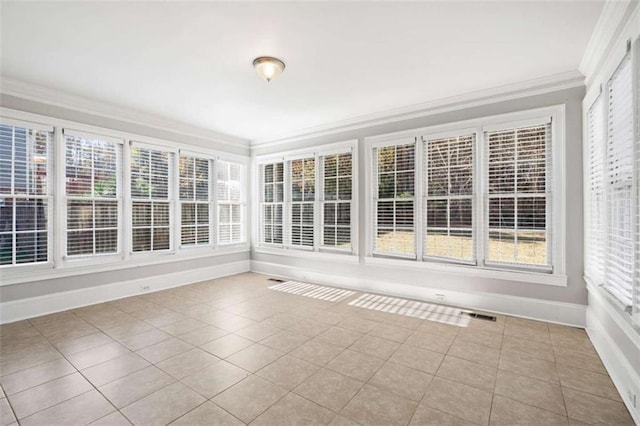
(620, 369)
(523, 89)
(610, 20)
(57, 98)
(56, 302)
(545, 310)
(327, 256)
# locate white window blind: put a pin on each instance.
(595, 194)
(394, 200)
(230, 203)
(337, 181)
(518, 230)
(151, 198)
(93, 195)
(272, 203)
(448, 198)
(302, 196)
(24, 193)
(195, 200)
(619, 164)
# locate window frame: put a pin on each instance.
(273, 204)
(556, 277)
(211, 202)
(242, 202)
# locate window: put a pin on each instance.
(619, 176)
(594, 193)
(518, 205)
(24, 193)
(302, 175)
(151, 198)
(394, 200)
(337, 180)
(230, 204)
(448, 197)
(92, 189)
(272, 203)
(195, 205)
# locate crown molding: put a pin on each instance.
(36, 93)
(538, 86)
(612, 19)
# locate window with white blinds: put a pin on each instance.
(518, 229)
(619, 176)
(93, 166)
(337, 181)
(151, 198)
(272, 203)
(230, 202)
(448, 197)
(595, 193)
(195, 200)
(25, 196)
(302, 176)
(394, 200)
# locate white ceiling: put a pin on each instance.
(192, 61)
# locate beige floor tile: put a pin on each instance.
(427, 416)
(373, 406)
(595, 410)
(468, 372)
(463, 401)
(309, 328)
(419, 359)
(519, 363)
(433, 342)
(144, 339)
(114, 369)
(496, 326)
(375, 346)
(570, 338)
(183, 326)
(532, 348)
(317, 352)
(402, 381)
(113, 419)
(258, 332)
(535, 331)
(588, 381)
(391, 332)
(207, 414)
(508, 412)
(36, 355)
(254, 357)
(342, 421)
(474, 352)
(6, 413)
(130, 388)
(163, 406)
(249, 398)
(480, 337)
(81, 410)
(25, 379)
(163, 350)
(84, 343)
(355, 364)
(48, 394)
(340, 336)
(294, 410)
(329, 389)
(97, 355)
(580, 359)
(288, 371)
(226, 345)
(434, 327)
(234, 323)
(530, 391)
(357, 324)
(404, 321)
(187, 363)
(285, 341)
(165, 319)
(214, 379)
(202, 335)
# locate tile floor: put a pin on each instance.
(230, 351)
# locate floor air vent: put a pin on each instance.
(480, 316)
(276, 280)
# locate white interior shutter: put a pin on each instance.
(595, 194)
(271, 203)
(302, 192)
(230, 202)
(620, 258)
(195, 200)
(336, 194)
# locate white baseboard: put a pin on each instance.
(604, 334)
(41, 305)
(557, 312)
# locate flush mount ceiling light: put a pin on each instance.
(268, 67)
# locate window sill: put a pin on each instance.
(472, 271)
(68, 269)
(346, 257)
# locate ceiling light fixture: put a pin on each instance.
(267, 67)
